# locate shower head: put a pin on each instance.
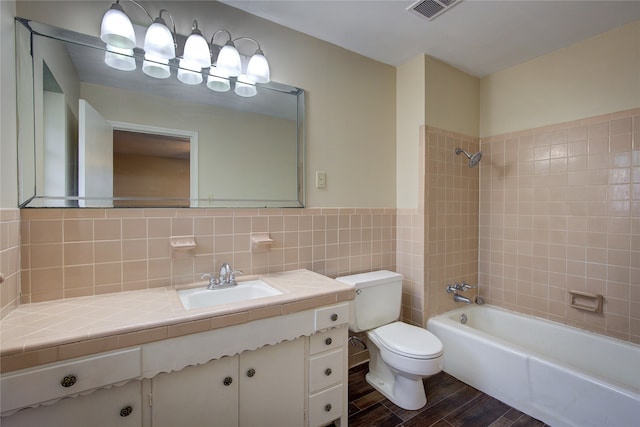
(474, 159)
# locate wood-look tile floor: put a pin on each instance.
(449, 403)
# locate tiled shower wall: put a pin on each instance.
(438, 242)
(560, 211)
(451, 218)
(77, 252)
(9, 259)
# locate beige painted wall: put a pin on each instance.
(410, 113)
(8, 155)
(350, 99)
(429, 92)
(452, 98)
(597, 76)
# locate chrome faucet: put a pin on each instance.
(459, 287)
(226, 277)
(459, 298)
(225, 274)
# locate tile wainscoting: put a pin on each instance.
(76, 252)
(560, 210)
(9, 260)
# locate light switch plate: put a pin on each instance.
(321, 179)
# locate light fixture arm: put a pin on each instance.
(218, 32)
(250, 39)
(173, 25)
(140, 6)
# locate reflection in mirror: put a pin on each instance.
(150, 164)
(87, 123)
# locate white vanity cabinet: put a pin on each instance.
(287, 370)
(53, 386)
(112, 407)
(327, 385)
(272, 385)
(264, 387)
(203, 395)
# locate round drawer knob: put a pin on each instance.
(251, 372)
(227, 381)
(334, 317)
(328, 341)
(68, 381)
(126, 411)
(328, 407)
(327, 371)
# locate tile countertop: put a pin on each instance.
(35, 334)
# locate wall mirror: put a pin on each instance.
(93, 136)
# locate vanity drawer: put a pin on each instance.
(32, 386)
(325, 370)
(326, 406)
(329, 317)
(327, 340)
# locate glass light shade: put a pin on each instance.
(229, 60)
(196, 50)
(258, 68)
(217, 81)
(116, 28)
(120, 59)
(189, 72)
(159, 41)
(245, 87)
(156, 67)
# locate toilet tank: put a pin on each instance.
(378, 299)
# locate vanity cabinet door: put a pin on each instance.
(272, 385)
(112, 407)
(203, 395)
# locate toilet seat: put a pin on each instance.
(408, 341)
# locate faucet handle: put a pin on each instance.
(466, 286)
(212, 279)
(233, 274)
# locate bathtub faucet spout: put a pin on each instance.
(459, 287)
(459, 298)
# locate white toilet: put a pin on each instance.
(400, 355)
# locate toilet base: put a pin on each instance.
(404, 392)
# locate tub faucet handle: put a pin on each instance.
(464, 286)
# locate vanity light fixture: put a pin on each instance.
(116, 28)
(119, 58)
(245, 87)
(156, 67)
(159, 40)
(160, 50)
(228, 58)
(218, 81)
(196, 49)
(189, 72)
(258, 67)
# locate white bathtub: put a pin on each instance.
(561, 375)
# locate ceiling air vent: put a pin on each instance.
(431, 9)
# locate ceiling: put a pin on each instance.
(479, 37)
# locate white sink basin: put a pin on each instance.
(244, 291)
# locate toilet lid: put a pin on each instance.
(408, 340)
